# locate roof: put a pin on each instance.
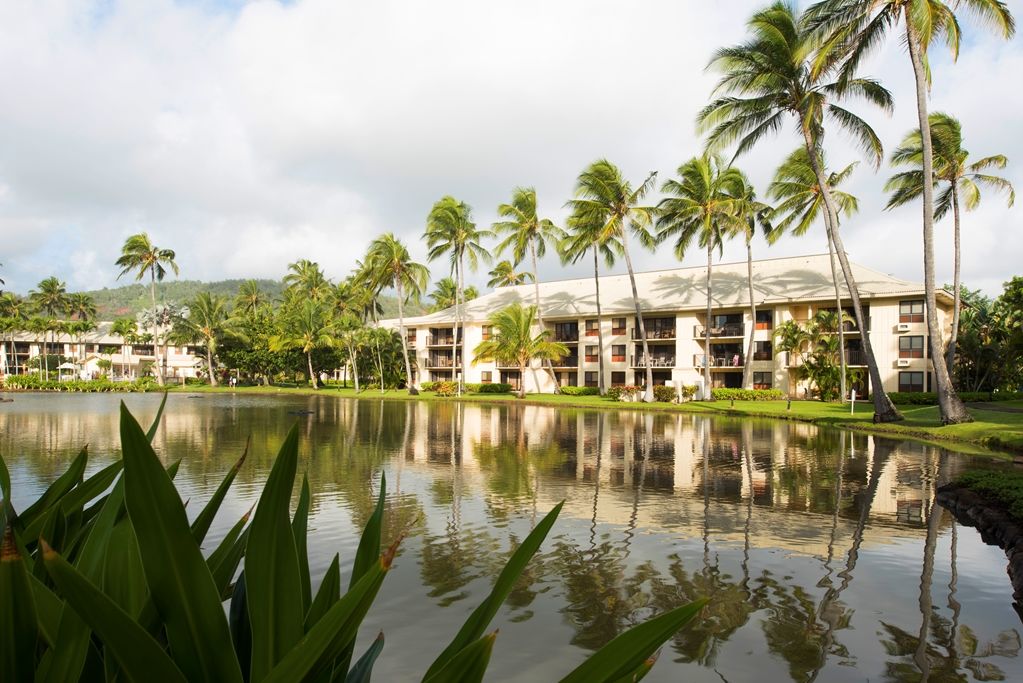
(101, 335)
(778, 280)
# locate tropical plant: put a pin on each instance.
(800, 204)
(208, 322)
(14, 309)
(604, 198)
(250, 298)
(141, 256)
(445, 293)
(960, 180)
(815, 346)
(450, 230)
(752, 213)
(305, 279)
(703, 204)
(305, 328)
(771, 77)
(513, 341)
(527, 233)
(127, 329)
(390, 264)
(852, 29)
(505, 275)
(50, 297)
(81, 306)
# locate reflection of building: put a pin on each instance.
(674, 305)
(127, 360)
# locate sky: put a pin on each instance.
(248, 135)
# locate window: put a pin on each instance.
(591, 379)
(911, 381)
(762, 350)
(617, 379)
(762, 380)
(487, 330)
(911, 311)
(592, 327)
(617, 325)
(911, 347)
(566, 332)
(618, 353)
(410, 335)
(486, 377)
(591, 354)
(765, 320)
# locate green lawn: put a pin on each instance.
(996, 429)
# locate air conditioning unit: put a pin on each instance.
(902, 362)
(902, 327)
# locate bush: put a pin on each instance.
(664, 394)
(687, 391)
(428, 386)
(580, 391)
(493, 388)
(35, 383)
(195, 382)
(929, 398)
(1004, 488)
(446, 388)
(746, 394)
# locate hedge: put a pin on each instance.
(33, 383)
(929, 398)
(471, 387)
(746, 394)
(579, 391)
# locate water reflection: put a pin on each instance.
(822, 550)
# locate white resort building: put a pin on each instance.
(674, 312)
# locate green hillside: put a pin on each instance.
(128, 300)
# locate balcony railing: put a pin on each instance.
(566, 337)
(441, 362)
(657, 333)
(566, 362)
(655, 361)
(726, 330)
(734, 360)
(440, 341)
(762, 355)
(849, 326)
(855, 357)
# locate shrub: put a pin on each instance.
(446, 388)
(36, 383)
(1004, 488)
(580, 391)
(664, 394)
(687, 391)
(428, 386)
(929, 398)
(746, 394)
(493, 389)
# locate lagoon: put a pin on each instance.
(819, 548)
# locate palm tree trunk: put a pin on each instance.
(156, 338)
(952, 409)
(747, 368)
(648, 394)
(209, 364)
(522, 380)
(355, 368)
(884, 409)
(706, 327)
(841, 326)
(539, 317)
(950, 353)
(312, 375)
(404, 344)
(459, 360)
(600, 326)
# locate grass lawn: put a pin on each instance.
(998, 429)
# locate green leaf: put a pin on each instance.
(7, 509)
(139, 655)
(57, 490)
(328, 593)
(223, 562)
(151, 432)
(91, 488)
(627, 653)
(369, 544)
(272, 579)
(241, 633)
(202, 523)
(48, 607)
(469, 665)
(640, 672)
(179, 581)
(19, 631)
(300, 527)
(481, 617)
(363, 668)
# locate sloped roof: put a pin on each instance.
(779, 280)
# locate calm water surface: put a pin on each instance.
(820, 549)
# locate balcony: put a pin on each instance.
(763, 355)
(434, 340)
(566, 362)
(847, 327)
(732, 361)
(855, 357)
(656, 333)
(566, 337)
(440, 362)
(655, 361)
(720, 331)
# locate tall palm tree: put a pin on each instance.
(853, 28)
(81, 306)
(50, 297)
(390, 264)
(305, 328)
(445, 294)
(751, 213)
(703, 205)
(369, 294)
(584, 237)
(960, 180)
(127, 329)
(305, 277)
(450, 230)
(140, 255)
(605, 198)
(514, 342)
(771, 77)
(208, 321)
(250, 298)
(800, 204)
(526, 233)
(505, 275)
(15, 309)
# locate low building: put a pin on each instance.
(674, 312)
(128, 361)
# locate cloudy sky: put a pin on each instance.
(249, 135)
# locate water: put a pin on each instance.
(820, 549)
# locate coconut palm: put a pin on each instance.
(77, 329)
(702, 204)
(208, 322)
(771, 77)
(127, 329)
(391, 265)
(450, 230)
(605, 198)
(141, 256)
(514, 342)
(852, 29)
(960, 181)
(305, 278)
(800, 204)
(527, 233)
(505, 275)
(81, 306)
(304, 328)
(14, 309)
(250, 298)
(445, 293)
(50, 297)
(751, 213)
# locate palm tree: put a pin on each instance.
(306, 329)
(305, 277)
(250, 298)
(208, 321)
(702, 205)
(127, 329)
(445, 293)
(450, 230)
(801, 202)
(504, 275)
(81, 306)
(853, 28)
(751, 213)
(605, 199)
(49, 297)
(15, 309)
(514, 342)
(961, 180)
(528, 233)
(390, 264)
(139, 254)
(770, 77)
